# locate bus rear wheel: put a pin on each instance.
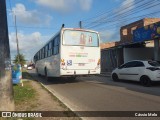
(71, 78)
(46, 75)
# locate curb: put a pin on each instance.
(61, 101)
(52, 93)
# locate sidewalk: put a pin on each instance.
(105, 74)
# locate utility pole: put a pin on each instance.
(17, 40)
(80, 24)
(6, 88)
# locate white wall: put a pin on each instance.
(138, 54)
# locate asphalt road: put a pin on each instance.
(96, 93)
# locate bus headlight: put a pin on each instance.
(62, 62)
(98, 64)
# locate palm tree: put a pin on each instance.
(21, 60)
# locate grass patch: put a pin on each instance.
(23, 94)
(23, 98)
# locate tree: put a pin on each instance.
(19, 59)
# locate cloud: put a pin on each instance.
(65, 5)
(128, 4)
(125, 6)
(32, 17)
(28, 44)
(85, 4)
(109, 36)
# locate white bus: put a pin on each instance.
(70, 53)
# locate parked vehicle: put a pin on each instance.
(30, 67)
(16, 74)
(143, 71)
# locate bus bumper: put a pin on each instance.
(79, 72)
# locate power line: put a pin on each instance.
(100, 13)
(113, 20)
(112, 14)
(102, 16)
(113, 9)
(28, 27)
(135, 11)
(142, 16)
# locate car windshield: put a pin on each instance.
(154, 63)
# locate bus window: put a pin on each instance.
(56, 41)
(50, 49)
(80, 38)
(46, 51)
(43, 53)
(56, 45)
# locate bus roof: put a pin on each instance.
(79, 29)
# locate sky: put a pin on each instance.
(38, 20)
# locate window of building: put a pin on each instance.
(132, 29)
(124, 32)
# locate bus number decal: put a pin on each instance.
(91, 60)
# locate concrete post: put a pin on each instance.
(6, 87)
(156, 50)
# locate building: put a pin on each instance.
(109, 44)
(126, 32)
(113, 54)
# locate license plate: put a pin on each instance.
(81, 64)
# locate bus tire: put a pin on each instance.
(71, 78)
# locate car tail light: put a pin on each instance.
(153, 68)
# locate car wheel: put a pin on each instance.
(115, 77)
(145, 81)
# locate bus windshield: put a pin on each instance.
(80, 38)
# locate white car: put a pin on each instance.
(29, 68)
(143, 71)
